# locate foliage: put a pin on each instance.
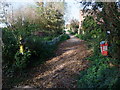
(25, 25)
(74, 25)
(64, 37)
(35, 53)
(50, 19)
(38, 50)
(89, 23)
(71, 32)
(93, 34)
(99, 74)
(108, 18)
(33, 48)
(9, 48)
(45, 20)
(22, 60)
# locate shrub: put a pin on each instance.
(64, 37)
(71, 32)
(99, 74)
(35, 53)
(9, 48)
(37, 47)
(21, 60)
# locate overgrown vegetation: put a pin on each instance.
(71, 32)
(93, 34)
(27, 42)
(100, 74)
(103, 71)
(35, 53)
(74, 25)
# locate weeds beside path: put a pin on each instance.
(63, 69)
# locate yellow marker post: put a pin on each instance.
(21, 49)
(21, 46)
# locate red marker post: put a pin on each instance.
(104, 48)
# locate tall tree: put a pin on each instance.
(110, 16)
(3, 11)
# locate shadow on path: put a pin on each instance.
(62, 70)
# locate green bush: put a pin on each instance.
(71, 32)
(93, 34)
(37, 47)
(64, 37)
(9, 48)
(35, 51)
(12, 59)
(38, 52)
(99, 74)
(21, 60)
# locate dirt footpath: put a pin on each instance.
(61, 71)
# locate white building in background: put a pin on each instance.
(80, 21)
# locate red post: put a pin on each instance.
(104, 48)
